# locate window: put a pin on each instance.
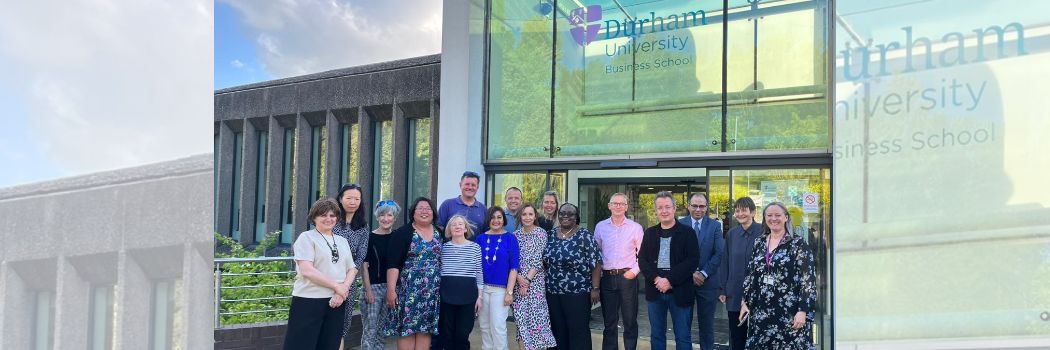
(235, 192)
(287, 193)
(647, 78)
(43, 320)
(100, 322)
(419, 161)
(349, 153)
(260, 188)
(384, 159)
(162, 307)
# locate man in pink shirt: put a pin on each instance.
(619, 239)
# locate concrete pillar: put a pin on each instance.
(462, 78)
(333, 155)
(249, 181)
(225, 185)
(366, 153)
(303, 198)
(274, 169)
(71, 307)
(401, 143)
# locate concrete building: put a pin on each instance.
(113, 260)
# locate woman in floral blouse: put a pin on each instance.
(779, 291)
(572, 259)
(414, 279)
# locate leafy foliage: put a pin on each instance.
(262, 273)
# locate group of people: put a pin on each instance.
(427, 281)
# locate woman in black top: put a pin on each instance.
(372, 308)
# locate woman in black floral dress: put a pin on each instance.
(354, 227)
(779, 292)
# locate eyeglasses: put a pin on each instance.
(352, 186)
(385, 203)
(694, 206)
(618, 204)
(566, 214)
(471, 174)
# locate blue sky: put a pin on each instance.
(263, 40)
(128, 85)
(236, 57)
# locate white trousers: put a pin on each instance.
(493, 317)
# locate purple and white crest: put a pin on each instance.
(582, 32)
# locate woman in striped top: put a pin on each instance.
(461, 283)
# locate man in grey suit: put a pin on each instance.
(711, 244)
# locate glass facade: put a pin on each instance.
(532, 185)
(287, 194)
(383, 176)
(646, 77)
(419, 159)
(100, 329)
(349, 152)
(317, 146)
(260, 187)
(942, 217)
(235, 194)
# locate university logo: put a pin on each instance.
(582, 31)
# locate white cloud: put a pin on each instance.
(302, 37)
(237, 64)
(111, 84)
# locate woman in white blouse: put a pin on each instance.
(324, 272)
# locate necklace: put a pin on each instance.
(488, 243)
(565, 234)
(332, 247)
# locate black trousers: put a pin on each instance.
(570, 320)
(619, 297)
(454, 326)
(312, 324)
(737, 334)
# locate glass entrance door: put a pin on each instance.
(806, 192)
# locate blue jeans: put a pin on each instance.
(681, 318)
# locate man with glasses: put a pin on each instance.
(619, 239)
(465, 204)
(711, 243)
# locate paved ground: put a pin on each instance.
(721, 330)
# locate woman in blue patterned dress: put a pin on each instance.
(779, 291)
(414, 263)
(572, 259)
(352, 226)
(530, 303)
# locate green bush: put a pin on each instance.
(226, 247)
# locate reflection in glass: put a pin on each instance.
(384, 159)
(260, 187)
(286, 186)
(419, 158)
(519, 105)
(349, 153)
(235, 190)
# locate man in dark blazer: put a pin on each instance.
(710, 245)
(667, 258)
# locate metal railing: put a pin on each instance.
(219, 287)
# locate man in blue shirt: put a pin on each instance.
(465, 204)
(513, 200)
(710, 243)
(739, 245)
